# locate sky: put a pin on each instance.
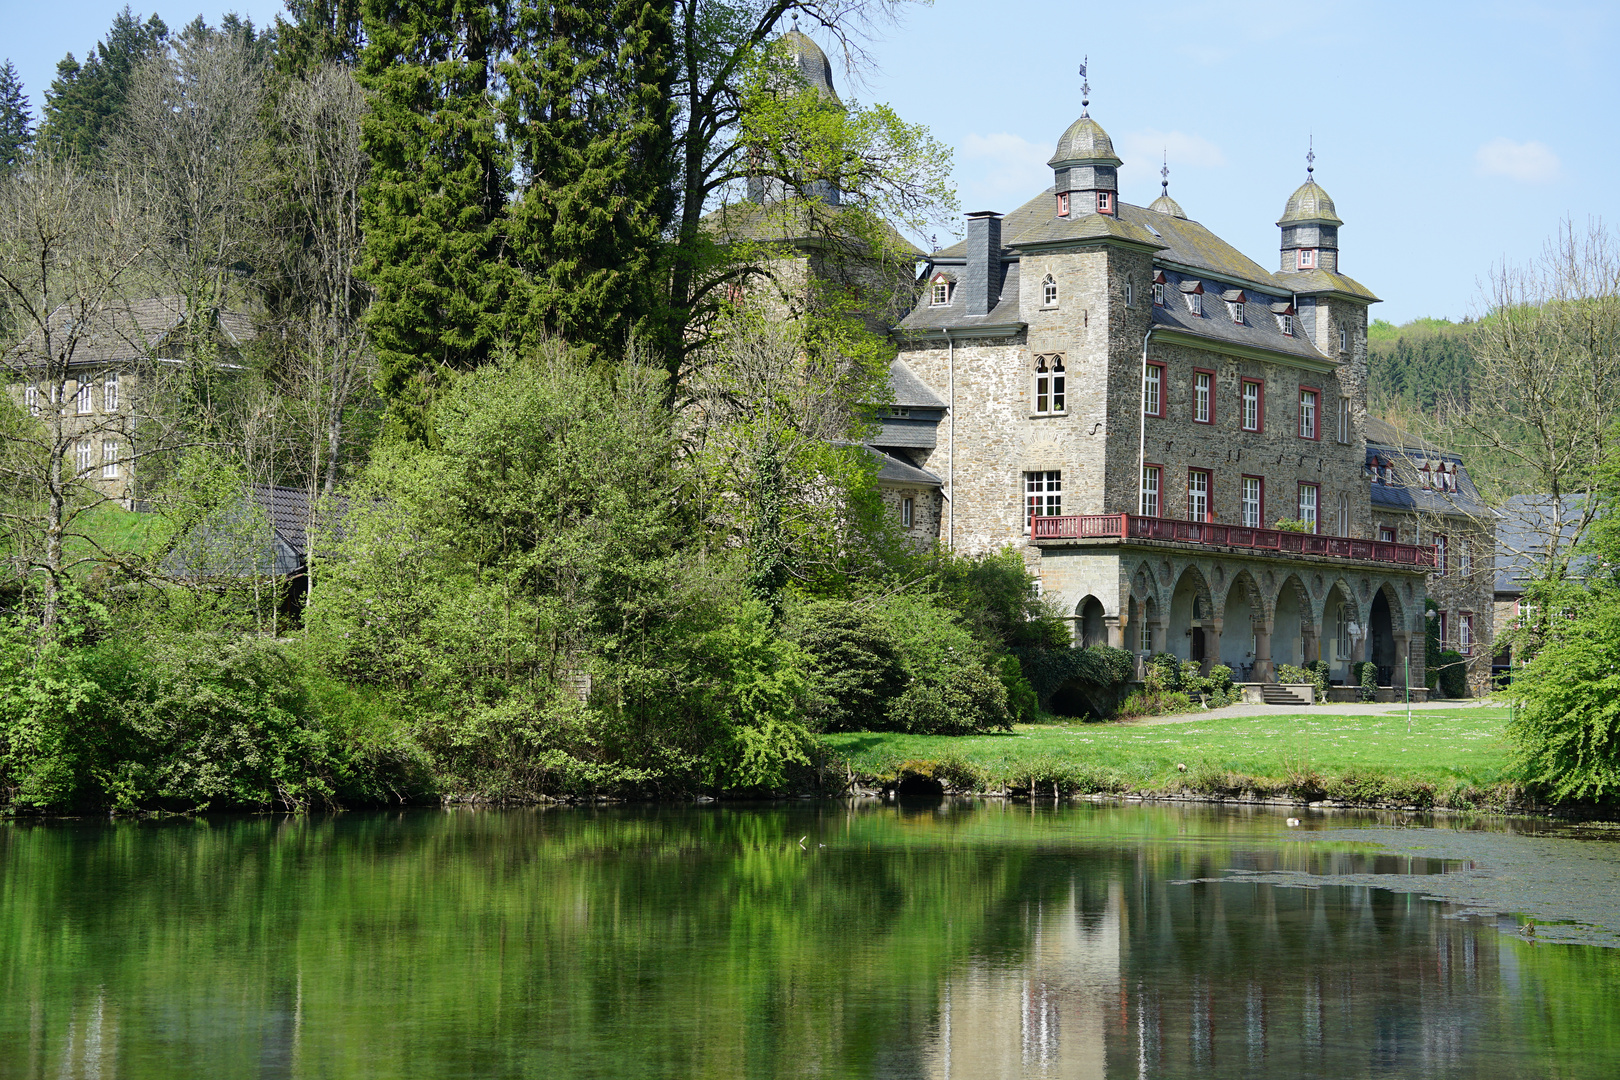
(1453, 137)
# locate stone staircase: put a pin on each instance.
(1278, 694)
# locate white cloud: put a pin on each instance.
(1002, 170)
(1526, 162)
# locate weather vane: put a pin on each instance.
(1310, 159)
(1164, 173)
(1085, 88)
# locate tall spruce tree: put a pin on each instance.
(434, 249)
(588, 112)
(16, 125)
(86, 102)
(320, 32)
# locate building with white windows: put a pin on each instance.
(1176, 436)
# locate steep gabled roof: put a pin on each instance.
(131, 330)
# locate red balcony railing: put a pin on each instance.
(1133, 527)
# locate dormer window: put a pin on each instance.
(1307, 258)
(1158, 293)
(1063, 204)
(1285, 323)
(1049, 292)
(1237, 311)
(1105, 202)
(1195, 303)
(941, 293)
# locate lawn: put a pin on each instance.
(1454, 757)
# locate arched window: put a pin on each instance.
(1049, 294)
(1130, 292)
(1049, 383)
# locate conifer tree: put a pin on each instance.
(589, 114)
(16, 126)
(86, 102)
(321, 32)
(438, 187)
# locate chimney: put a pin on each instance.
(982, 280)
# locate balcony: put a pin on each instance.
(1134, 527)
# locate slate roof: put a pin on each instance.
(1322, 281)
(954, 316)
(1404, 453)
(1309, 203)
(895, 471)
(1085, 142)
(134, 329)
(807, 58)
(1524, 524)
(910, 391)
(1259, 329)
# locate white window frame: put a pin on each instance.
(1285, 323)
(1130, 293)
(82, 457)
(1344, 340)
(1236, 310)
(1307, 259)
(1153, 391)
(1203, 396)
(84, 402)
(1343, 646)
(1195, 303)
(1344, 514)
(1152, 488)
(109, 392)
(1442, 553)
(1104, 202)
(1253, 502)
(942, 294)
(1158, 293)
(1465, 633)
(905, 513)
(1063, 204)
(1051, 385)
(1344, 420)
(1465, 556)
(1250, 392)
(1309, 496)
(1043, 496)
(1197, 494)
(31, 400)
(1307, 413)
(109, 459)
(1049, 291)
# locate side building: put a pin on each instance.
(1176, 436)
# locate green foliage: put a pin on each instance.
(1431, 643)
(1453, 674)
(1420, 366)
(1365, 675)
(1022, 703)
(1315, 674)
(996, 597)
(950, 689)
(86, 103)
(1293, 525)
(855, 665)
(16, 123)
(1099, 673)
(1566, 732)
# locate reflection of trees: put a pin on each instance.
(673, 942)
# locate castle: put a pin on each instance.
(1178, 438)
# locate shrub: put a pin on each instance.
(1315, 674)
(855, 667)
(1566, 733)
(1022, 703)
(949, 690)
(1366, 674)
(1453, 674)
(1095, 675)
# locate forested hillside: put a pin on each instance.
(1424, 366)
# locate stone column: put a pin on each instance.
(1116, 633)
(1160, 640)
(1263, 670)
(1310, 647)
(1212, 644)
(1403, 643)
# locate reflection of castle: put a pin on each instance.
(1042, 1017)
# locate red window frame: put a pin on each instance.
(1316, 423)
(1197, 372)
(1105, 202)
(1318, 489)
(1163, 385)
(1382, 539)
(1307, 259)
(1146, 465)
(1260, 403)
(1209, 494)
(1063, 204)
(1262, 516)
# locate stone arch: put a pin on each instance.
(1243, 611)
(1341, 614)
(1293, 623)
(1189, 607)
(1089, 625)
(1388, 635)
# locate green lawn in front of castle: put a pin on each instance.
(1458, 754)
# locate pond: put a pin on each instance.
(956, 940)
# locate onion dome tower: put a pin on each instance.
(1085, 170)
(1164, 204)
(1310, 228)
(806, 68)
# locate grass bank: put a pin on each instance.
(1451, 759)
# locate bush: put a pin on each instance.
(1366, 675)
(949, 689)
(1078, 681)
(855, 667)
(1315, 674)
(1022, 703)
(1453, 674)
(1566, 733)
(1154, 703)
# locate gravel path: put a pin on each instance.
(1381, 708)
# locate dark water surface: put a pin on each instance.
(960, 940)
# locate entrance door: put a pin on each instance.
(1198, 643)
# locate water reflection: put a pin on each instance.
(952, 941)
